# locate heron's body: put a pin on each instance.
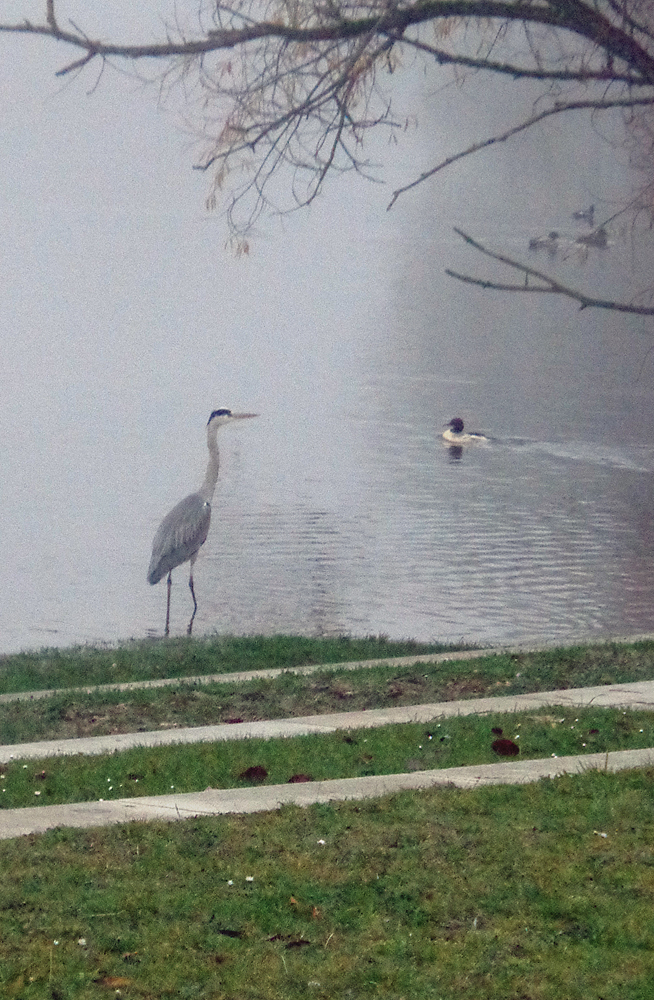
(179, 536)
(455, 434)
(184, 529)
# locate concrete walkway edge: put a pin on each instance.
(638, 695)
(216, 802)
(242, 676)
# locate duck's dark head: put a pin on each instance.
(456, 425)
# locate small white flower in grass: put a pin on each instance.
(55, 942)
(555, 755)
(81, 942)
(230, 881)
(420, 746)
(24, 766)
(583, 744)
(249, 878)
(37, 793)
(322, 841)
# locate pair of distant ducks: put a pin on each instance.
(456, 435)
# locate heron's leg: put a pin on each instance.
(195, 603)
(170, 583)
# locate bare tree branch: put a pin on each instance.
(297, 84)
(557, 109)
(548, 285)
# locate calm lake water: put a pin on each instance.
(339, 510)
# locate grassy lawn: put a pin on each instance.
(70, 714)
(536, 892)
(389, 749)
(149, 660)
(543, 892)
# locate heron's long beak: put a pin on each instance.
(243, 416)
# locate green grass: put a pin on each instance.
(148, 660)
(504, 892)
(389, 749)
(98, 713)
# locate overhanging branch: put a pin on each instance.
(549, 285)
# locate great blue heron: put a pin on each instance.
(185, 528)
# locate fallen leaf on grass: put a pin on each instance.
(506, 748)
(254, 773)
(297, 778)
(114, 982)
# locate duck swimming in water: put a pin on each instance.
(457, 435)
(585, 215)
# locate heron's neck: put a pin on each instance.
(211, 476)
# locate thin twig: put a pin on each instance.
(550, 285)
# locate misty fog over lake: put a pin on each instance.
(126, 321)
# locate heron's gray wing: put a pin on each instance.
(179, 536)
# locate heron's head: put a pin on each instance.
(224, 416)
(456, 424)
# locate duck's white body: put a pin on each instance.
(455, 434)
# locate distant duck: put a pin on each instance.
(585, 215)
(598, 238)
(457, 436)
(548, 242)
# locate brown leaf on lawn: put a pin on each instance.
(297, 778)
(254, 773)
(506, 748)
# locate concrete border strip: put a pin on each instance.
(215, 802)
(242, 676)
(639, 695)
